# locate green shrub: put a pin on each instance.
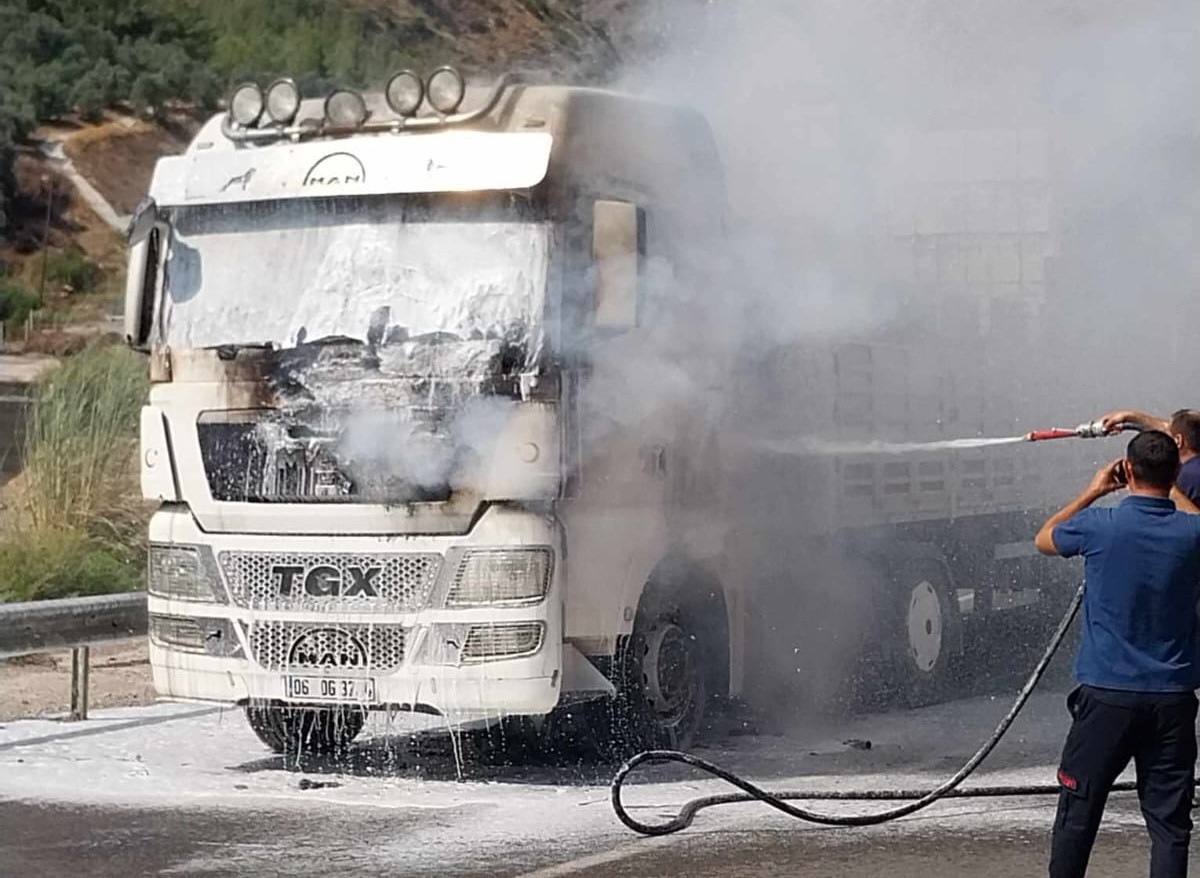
(80, 447)
(48, 563)
(16, 301)
(72, 268)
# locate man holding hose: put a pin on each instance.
(1183, 427)
(1139, 655)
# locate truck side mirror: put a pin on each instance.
(143, 221)
(140, 286)
(618, 241)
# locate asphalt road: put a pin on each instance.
(103, 842)
(181, 790)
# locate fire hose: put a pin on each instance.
(915, 799)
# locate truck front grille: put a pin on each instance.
(278, 580)
(281, 646)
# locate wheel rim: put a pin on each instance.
(668, 674)
(924, 626)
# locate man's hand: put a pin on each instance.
(1110, 477)
(1113, 420)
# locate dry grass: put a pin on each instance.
(77, 521)
(81, 441)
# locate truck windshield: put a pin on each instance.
(371, 269)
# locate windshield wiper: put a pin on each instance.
(326, 340)
(230, 351)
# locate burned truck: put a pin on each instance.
(388, 338)
(449, 415)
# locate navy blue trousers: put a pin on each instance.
(1109, 728)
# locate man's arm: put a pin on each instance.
(1127, 416)
(1103, 483)
(1183, 502)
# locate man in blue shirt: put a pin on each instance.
(1139, 656)
(1183, 427)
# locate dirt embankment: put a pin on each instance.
(40, 685)
(118, 156)
(579, 39)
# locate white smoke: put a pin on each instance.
(838, 121)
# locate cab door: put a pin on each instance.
(619, 450)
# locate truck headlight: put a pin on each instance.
(502, 641)
(213, 637)
(183, 573)
(498, 577)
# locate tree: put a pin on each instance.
(149, 91)
(84, 55)
(95, 90)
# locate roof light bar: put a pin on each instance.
(444, 90)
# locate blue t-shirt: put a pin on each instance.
(1189, 479)
(1142, 575)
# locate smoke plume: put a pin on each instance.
(1005, 188)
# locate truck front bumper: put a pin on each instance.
(460, 694)
(465, 663)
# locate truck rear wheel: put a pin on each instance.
(305, 731)
(923, 634)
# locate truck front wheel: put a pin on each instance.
(305, 731)
(664, 690)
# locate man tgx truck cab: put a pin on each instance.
(402, 426)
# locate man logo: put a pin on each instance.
(324, 581)
(327, 648)
(336, 169)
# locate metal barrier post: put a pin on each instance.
(74, 624)
(80, 659)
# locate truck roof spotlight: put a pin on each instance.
(345, 108)
(283, 101)
(246, 104)
(405, 91)
(446, 90)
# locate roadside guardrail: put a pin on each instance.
(75, 624)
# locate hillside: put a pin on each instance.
(120, 84)
(92, 93)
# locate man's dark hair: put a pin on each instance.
(1155, 458)
(1186, 423)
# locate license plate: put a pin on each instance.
(354, 690)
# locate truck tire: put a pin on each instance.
(663, 687)
(923, 634)
(305, 731)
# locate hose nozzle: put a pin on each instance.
(1094, 430)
